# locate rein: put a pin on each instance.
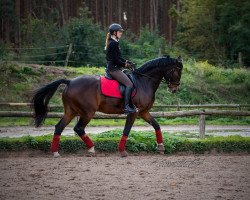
(163, 80)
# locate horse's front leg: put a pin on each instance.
(159, 139)
(129, 123)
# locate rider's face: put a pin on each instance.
(119, 34)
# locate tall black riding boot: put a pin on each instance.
(127, 96)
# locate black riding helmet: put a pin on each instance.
(115, 27)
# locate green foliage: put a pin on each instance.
(88, 41)
(109, 145)
(137, 142)
(5, 54)
(47, 42)
(147, 46)
(210, 30)
(202, 82)
(87, 70)
(71, 144)
(43, 34)
(8, 14)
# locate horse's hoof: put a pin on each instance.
(56, 155)
(161, 152)
(92, 150)
(123, 154)
(160, 148)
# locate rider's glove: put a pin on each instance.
(129, 64)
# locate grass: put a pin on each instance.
(22, 121)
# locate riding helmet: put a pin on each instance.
(115, 27)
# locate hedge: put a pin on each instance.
(137, 142)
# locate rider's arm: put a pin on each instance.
(115, 54)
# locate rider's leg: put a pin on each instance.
(122, 78)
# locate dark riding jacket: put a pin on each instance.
(113, 56)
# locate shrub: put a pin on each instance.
(137, 142)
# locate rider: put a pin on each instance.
(115, 63)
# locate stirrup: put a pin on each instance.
(134, 107)
(128, 109)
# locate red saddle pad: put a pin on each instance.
(110, 88)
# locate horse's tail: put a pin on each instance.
(41, 99)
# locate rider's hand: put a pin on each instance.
(128, 64)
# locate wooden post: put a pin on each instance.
(159, 53)
(68, 54)
(240, 59)
(202, 128)
(178, 106)
(239, 108)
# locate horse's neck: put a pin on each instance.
(152, 79)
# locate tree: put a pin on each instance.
(217, 30)
(234, 28)
(196, 30)
(8, 19)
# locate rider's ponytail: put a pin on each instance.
(107, 41)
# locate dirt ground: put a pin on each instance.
(138, 176)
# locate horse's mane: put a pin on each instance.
(157, 62)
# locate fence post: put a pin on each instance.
(68, 54)
(178, 106)
(239, 108)
(202, 128)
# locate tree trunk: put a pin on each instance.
(240, 58)
(155, 10)
(17, 29)
(152, 15)
(104, 14)
(7, 31)
(65, 10)
(96, 12)
(140, 14)
(170, 27)
(120, 11)
(60, 7)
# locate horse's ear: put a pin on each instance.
(179, 59)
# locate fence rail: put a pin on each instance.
(201, 113)
(173, 114)
(178, 106)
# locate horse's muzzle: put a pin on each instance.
(173, 89)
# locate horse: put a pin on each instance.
(82, 97)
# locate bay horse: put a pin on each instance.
(82, 97)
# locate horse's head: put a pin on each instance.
(173, 75)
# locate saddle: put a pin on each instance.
(112, 88)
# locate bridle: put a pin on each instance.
(175, 68)
(172, 71)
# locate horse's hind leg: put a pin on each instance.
(58, 131)
(80, 130)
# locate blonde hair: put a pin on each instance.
(107, 41)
